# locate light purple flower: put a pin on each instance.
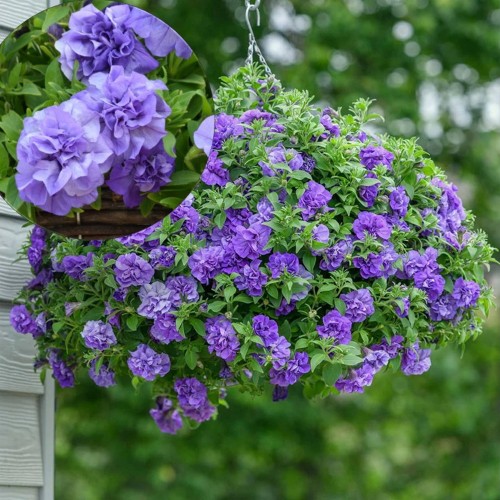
(369, 193)
(372, 156)
(290, 373)
(281, 262)
(399, 200)
(193, 399)
(98, 335)
(251, 278)
(266, 328)
(182, 289)
(249, 242)
(61, 371)
(315, 198)
(205, 263)
(131, 269)
(61, 158)
(146, 363)
(166, 417)
(105, 377)
(359, 305)
(431, 283)
(334, 256)
(164, 329)
(215, 172)
(415, 361)
(371, 224)
(22, 321)
(132, 112)
(162, 257)
(156, 300)
(466, 293)
(99, 40)
(76, 265)
(444, 308)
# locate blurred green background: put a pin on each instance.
(432, 66)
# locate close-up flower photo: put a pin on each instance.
(275, 281)
(100, 104)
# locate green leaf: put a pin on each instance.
(198, 325)
(132, 322)
(229, 292)
(54, 15)
(216, 306)
(317, 359)
(94, 314)
(4, 162)
(351, 360)
(191, 358)
(331, 373)
(12, 125)
(54, 74)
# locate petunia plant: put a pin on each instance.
(313, 253)
(98, 98)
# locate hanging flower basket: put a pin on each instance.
(313, 254)
(99, 108)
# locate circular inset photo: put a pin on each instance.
(100, 107)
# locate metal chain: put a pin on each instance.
(253, 47)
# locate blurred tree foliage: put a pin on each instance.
(432, 66)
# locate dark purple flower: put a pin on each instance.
(249, 242)
(35, 257)
(399, 200)
(251, 278)
(61, 158)
(146, 363)
(402, 310)
(376, 359)
(166, 417)
(335, 326)
(160, 39)
(205, 263)
(22, 321)
(75, 265)
(278, 155)
(415, 262)
(193, 399)
(131, 270)
(148, 173)
(105, 377)
(332, 128)
(290, 373)
(280, 352)
(315, 198)
(281, 262)
(61, 371)
(285, 307)
(132, 112)
(415, 361)
(334, 256)
(221, 338)
(164, 329)
(451, 212)
(444, 308)
(98, 335)
(377, 265)
(140, 237)
(156, 299)
(182, 289)
(391, 347)
(162, 256)
(189, 214)
(466, 293)
(266, 328)
(372, 156)
(431, 283)
(99, 40)
(371, 224)
(269, 120)
(280, 393)
(215, 173)
(369, 193)
(44, 277)
(359, 305)
(357, 380)
(56, 30)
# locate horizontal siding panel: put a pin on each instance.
(21, 456)
(3, 35)
(18, 493)
(14, 13)
(16, 358)
(13, 275)
(6, 209)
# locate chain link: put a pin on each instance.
(253, 47)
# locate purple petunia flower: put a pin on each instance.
(99, 40)
(132, 112)
(415, 361)
(466, 293)
(105, 377)
(332, 129)
(75, 265)
(162, 257)
(166, 417)
(164, 329)
(146, 363)
(23, 322)
(337, 327)
(148, 173)
(193, 399)
(357, 380)
(431, 283)
(189, 214)
(251, 278)
(334, 256)
(398, 201)
(61, 158)
(359, 305)
(266, 328)
(444, 308)
(61, 371)
(182, 289)
(369, 193)
(249, 242)
(372, 156)
(215, 173)
(98, 335)
(278, 155)
(205, 263)
(156, 300)
(281, 262)
(321, 234)
(290, 373)
(415, 262)
(221, 338)
(280, 352)
(371, 224)
(315, 198)
(131, 269)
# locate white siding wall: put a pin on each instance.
(26, 406)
